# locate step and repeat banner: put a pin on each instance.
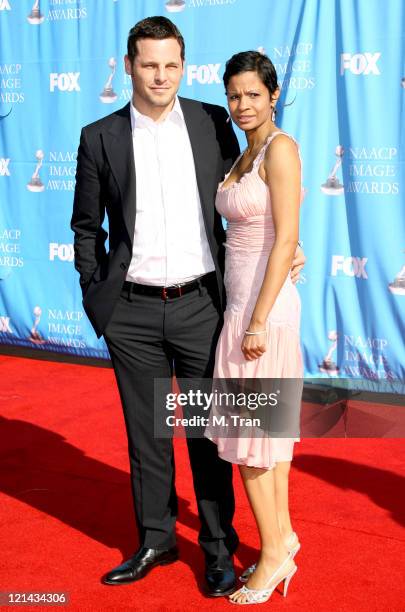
(342, 70)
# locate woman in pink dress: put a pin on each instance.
(260, 198)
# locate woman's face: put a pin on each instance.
(249, 100)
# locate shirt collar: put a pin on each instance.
(142, 121)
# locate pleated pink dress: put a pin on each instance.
(249, 239)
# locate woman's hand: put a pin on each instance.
(253, 346)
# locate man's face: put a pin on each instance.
(156, 73)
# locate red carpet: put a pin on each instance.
(66, 513)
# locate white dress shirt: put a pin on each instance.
(170, 243)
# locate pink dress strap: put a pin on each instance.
(260, 156)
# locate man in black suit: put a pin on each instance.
(157, 295)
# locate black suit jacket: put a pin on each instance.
(105, 182)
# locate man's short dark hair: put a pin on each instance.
(156, 28)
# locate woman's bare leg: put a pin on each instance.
(281, 474)
(260, 485)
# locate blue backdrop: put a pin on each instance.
(341, 65)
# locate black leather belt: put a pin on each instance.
(175, 291)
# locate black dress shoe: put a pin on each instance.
(140, 564)
(220, 578)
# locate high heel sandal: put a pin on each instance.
(292, 545)
(256, 596)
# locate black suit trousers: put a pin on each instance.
(147, 337)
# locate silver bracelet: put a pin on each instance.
(248, 333)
